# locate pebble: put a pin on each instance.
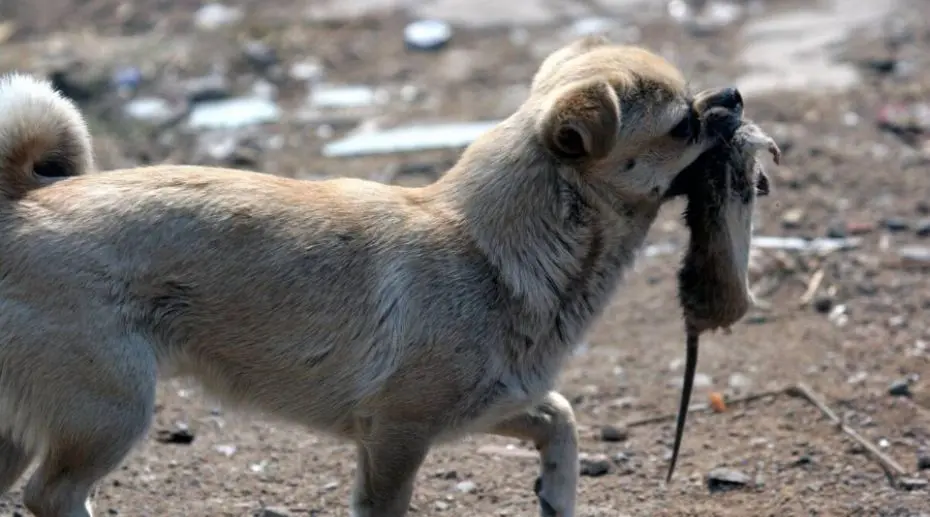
(914, 256)
(859, 227)
(260, 55)
(610, 433)
(913, 483)
(467, 487)
(427, 34)
(723, 479)
(208, 88)
(923, 228)
(215, 15)
(127, 78)
(792, 218)
(923, 461)
(181, 436)
(595, 466)
(896, 224)
(226, 450)
(738, 381)
(823, 304)
(900, 388)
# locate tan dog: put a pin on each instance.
(398, 318)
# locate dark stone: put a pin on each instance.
(177, 437)
(900, 388)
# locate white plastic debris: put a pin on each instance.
(410, 138)
(150, 109)
(348, 96)
(798, 244)
(234, 113)
(427, 34)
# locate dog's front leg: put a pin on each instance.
(550, 425)
(389, 457)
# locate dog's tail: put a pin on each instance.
(43, 136)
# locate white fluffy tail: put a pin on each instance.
(43, 136)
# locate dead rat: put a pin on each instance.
(721, 187)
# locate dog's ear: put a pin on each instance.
(581, 121)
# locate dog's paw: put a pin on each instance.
(549, 504)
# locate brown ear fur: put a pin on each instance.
(582, 121)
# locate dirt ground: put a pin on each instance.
(850, 168)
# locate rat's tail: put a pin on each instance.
(43, 136)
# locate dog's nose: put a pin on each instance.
(729, 98)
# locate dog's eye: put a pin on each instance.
(685, 128)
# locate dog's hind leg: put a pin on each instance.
(100, 409)
(389, 457)
(14, 460)
(77, 458)
(550, 425)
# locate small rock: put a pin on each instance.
(900, 388)
(739, 382)
(859, 227)
(441, 506)
(226, 450)
(610, 433)
(307, 70)
(595, 466)
(823, 304)
(427, 34)
(208, 88)
(127, 79)
(723, 479)
(837, 231)
(917, 257)
(896, 224)
(215, 15)
(467, 487)
(181, 436)
(923, 228)
(923, 461)
(792, 219)
(913, 483)
(272, 512)
(260, 55)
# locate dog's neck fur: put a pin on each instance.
(544, 236)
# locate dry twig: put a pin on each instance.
(891, 467)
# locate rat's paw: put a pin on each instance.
(752, 138)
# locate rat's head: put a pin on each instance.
(623, 117)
